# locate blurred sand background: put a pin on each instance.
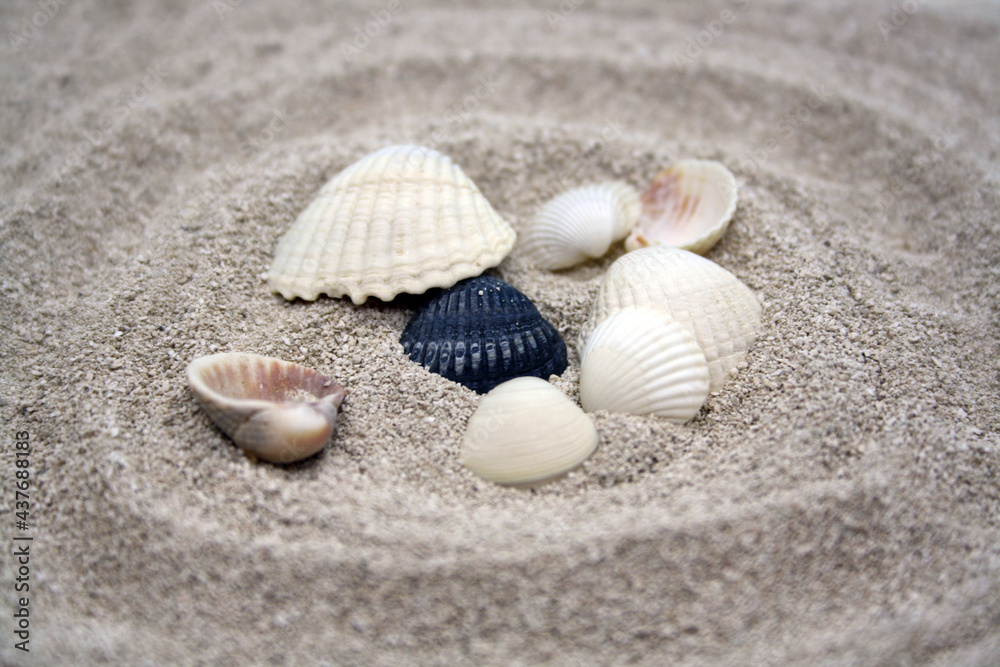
(837, 503)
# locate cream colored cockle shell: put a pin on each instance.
(580, 224)
(276, 410)
(401, 220)
(643, 362)
(721, 312)
(526, 431)
(688, 205)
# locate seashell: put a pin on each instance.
(274, 409)
(643, 362)
(720, 311)
(581, 224)
(526, 431)
(403, 219)
(688, 206)
(482, 332)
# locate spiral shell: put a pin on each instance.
(526, 431)
(688, 206)
(580, 224)
(276, 410)
(643, 362)
(403, 219)
(710, 302)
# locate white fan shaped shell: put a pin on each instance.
(580, 224)
(722, 313)
(402, 219)
(643, 362)
(688, 205)
(526, 431)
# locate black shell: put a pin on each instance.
(482, 332)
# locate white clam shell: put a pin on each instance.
(580, 224)
(688, 206)
(276, 410)
(526, 431)
(401, 220)
(722, 313)
(643, 362)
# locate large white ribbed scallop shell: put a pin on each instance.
(580, 224)
(274, 409)
(688, 205)
(720, 311)
(643, 362)
(526, 431)
(400, 220)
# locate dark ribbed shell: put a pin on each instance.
(482, 332)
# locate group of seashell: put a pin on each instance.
(667, 328)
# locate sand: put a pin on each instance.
(838, 502)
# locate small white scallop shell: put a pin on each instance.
(526, 431)
(402, 219)
(643, 362)
(688, 206)
(722, 313)
(276, 410)
(580, 224)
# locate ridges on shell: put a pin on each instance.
(482, 332)
(710, 302)
(276, 410)
(580, 224)
(401, 220)
(643, 362)
(526, 431)
(688, 206)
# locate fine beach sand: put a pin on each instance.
(837, 503)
